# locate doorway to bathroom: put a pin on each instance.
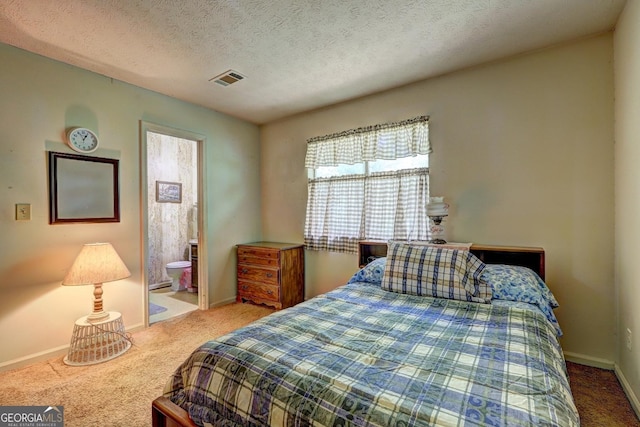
(174, 265)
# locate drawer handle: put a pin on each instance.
(245, 287)
(269, 274)
(245, 271)
(269, 292)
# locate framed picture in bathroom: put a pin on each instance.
(168, 192)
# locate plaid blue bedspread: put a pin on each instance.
(361, 356)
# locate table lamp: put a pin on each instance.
(437, 209)
(100, 335)
(96, 264)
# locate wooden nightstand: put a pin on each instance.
(271, 273)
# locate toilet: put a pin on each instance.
(176, 270)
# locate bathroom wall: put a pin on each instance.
(170, 224)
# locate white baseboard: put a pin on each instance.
(135, 328)
(596, 362)
(223, 302)
(164, 284)
(41, 356)
(633, 399)
(52, 353)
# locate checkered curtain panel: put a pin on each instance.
(344, 209)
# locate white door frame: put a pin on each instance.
(203, 288)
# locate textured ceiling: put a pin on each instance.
(297, 55)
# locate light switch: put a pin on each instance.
(23, 211)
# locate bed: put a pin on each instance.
(393, 346)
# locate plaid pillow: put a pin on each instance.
(435, 272)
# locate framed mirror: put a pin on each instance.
(83, 189)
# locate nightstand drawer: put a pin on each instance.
(258, 291)
(257, 274)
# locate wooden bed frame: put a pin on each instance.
(165, 413)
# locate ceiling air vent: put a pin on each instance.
(227, 78)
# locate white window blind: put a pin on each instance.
(368, 183)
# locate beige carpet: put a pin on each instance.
(119, 392)
(599, 397)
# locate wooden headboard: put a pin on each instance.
(531, 257)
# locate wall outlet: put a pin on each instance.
(629, 342)
(23, 212)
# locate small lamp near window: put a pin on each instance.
(99, 336)
(437, 209)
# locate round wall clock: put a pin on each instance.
(82, 140)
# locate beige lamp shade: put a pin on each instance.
(96, 264)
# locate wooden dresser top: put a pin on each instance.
(272, 245)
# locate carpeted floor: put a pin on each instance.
(119, 392)
(599, 398)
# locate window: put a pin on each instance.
(368, 183)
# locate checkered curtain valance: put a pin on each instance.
(380, 142)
